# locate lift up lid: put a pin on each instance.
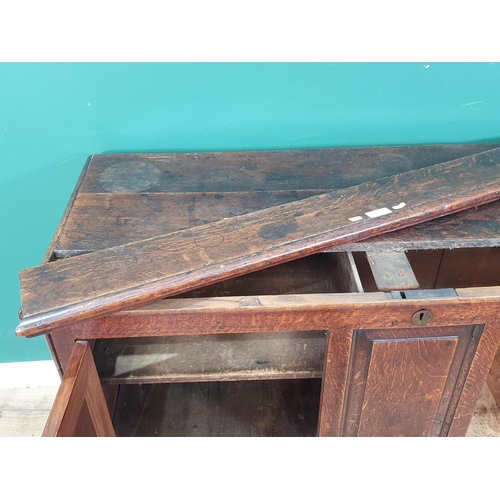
(59, 293)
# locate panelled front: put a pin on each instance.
(406, 382)
(249, 352)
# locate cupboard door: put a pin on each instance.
(80, 407)
(404, 381)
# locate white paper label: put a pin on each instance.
(378, 212)
(398, 207)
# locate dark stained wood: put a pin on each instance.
(469, 267)
(364, 272)
(98, 220)
(219, 315)
(290, 312)
(480, 361)
(61, 292)
(79, 408)
(54, 351)
(474, 228)
(263, 170)
(494, 378)
(344, 273)
(101, 221)
(311, 274)
(84, 426)
(61, 344)
(401, 382)
(392, 271)
(110, 392)
(318, 273)
(402, 394)
(221, 185)
(67, 215)
(253, 356)
(425, 265)
(245, 408)
(465, 267)
(334, 386)
(163, 193)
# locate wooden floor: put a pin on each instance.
(24, 411)
(486, 420)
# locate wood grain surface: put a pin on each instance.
(122, 200)
(267, 313)
(268, 408)
(80, 408)
(392, 271)
(404, 386)
(286, 170)
(251, 356)
(24, 411)
(61, 292)
(473, 374)
(494, 379)
(477, 227)
(401, 382)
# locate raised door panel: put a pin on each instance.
(402, 374)
(407, 382)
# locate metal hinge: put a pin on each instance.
(422, 294)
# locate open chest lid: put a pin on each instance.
(144, 227)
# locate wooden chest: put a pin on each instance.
(390, 336)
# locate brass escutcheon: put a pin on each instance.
(421, 318)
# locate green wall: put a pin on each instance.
(52, 116)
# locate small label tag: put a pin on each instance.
(398, 207)
(378, 212)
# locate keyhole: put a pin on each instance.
(421, 318)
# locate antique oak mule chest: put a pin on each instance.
(331, 292)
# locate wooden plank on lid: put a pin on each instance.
(90, 285)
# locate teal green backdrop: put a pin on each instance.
(53, 116)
